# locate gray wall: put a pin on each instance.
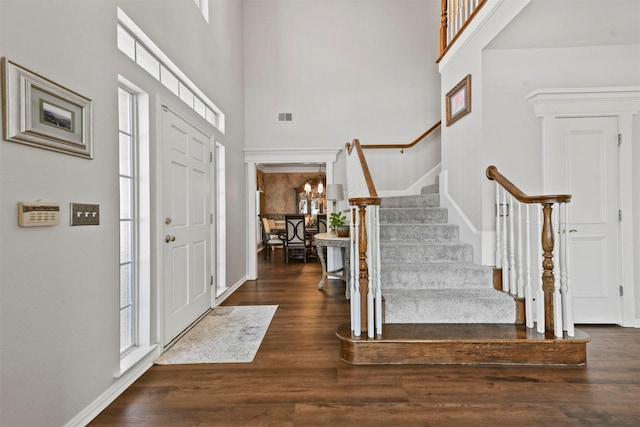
(345, 69)
(512, 133)
(59, 335)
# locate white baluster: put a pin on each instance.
(371, 268)
(498, 230)
(567, 298)
(540, 297)
(512, 250)
(528, 294)
(355, 288)
(505, 262)
(562, 252)
(376, 210)
(519, 254)
(557, 298)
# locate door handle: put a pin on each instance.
(167, 220)
(573, 231)
(169, 238)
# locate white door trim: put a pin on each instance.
(620, 102)
(252, 157)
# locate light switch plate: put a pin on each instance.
(84, 214)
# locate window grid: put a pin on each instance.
(128, 215)
(146, 59)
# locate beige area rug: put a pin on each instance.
(229, 334)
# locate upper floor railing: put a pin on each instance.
(552, 294)
(454, 18)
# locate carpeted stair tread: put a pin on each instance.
(421, 232)
(448, 306)
(435, 275)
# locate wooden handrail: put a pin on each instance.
(373, 194)
(409, 145)
(493, 174)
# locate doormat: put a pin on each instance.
(229, 334)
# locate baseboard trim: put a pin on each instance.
(231, 289)
(468, 232)
(85, 416)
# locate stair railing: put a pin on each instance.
(455, 16)
(553, 300)
(366, 293)
(402, 147)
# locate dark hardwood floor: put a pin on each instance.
(298, 379)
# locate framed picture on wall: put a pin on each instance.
(41, 113)
(458, 100)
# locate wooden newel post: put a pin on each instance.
(362, 266)
(548, 280)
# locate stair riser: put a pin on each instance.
(413, 215)
(418, 232)
(425, 253)
(461, 351)
(430, 189)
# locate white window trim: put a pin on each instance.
(145, 342)
(145, 42)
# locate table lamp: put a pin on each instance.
(334, 192)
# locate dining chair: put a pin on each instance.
(296, 244)
(322, 223)
(270, 240)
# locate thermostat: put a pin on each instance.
(38, 214)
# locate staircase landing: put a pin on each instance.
(460, 344)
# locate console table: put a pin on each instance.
(324, 240)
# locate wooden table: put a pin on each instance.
(324, 240)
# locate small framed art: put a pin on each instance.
(458, 100)
(41, 113)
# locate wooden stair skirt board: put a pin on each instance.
(460, 344)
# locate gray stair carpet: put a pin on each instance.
(427, 275)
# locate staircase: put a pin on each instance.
(427, 274)
(440, 307)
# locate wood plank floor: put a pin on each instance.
(298, 379)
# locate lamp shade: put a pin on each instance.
(334, 192)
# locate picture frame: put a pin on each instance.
(458, 100)
(43, 114)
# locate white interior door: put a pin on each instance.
(187, 224)
(582, 160)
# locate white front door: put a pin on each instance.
(582, 160)
(187, 224)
